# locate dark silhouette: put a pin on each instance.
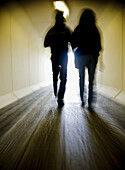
(86, 44)
(57, 39)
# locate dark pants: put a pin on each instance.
(59, 71)
(90, 62)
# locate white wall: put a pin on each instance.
(112, 75)
(20, 56)
(5, 54)
(22, 63)
(123, 46)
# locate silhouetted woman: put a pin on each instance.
(86, 44)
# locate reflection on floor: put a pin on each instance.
(37, 135)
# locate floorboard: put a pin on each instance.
(35, 134)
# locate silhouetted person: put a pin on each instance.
(86, 44)
(57, 39)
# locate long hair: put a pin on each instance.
(87, 17)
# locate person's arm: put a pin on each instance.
(74, 42)
(50, 38)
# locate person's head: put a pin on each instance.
(87, 17)
(59, 17)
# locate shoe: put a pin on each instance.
(55, 94)
(90, 109)
(55, 90)
(60, 103)
(83, 104)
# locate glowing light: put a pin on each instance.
(60, 5)
(72, 86)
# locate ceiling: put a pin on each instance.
(40, 12)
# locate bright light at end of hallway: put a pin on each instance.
(60, 5)
(72, 87)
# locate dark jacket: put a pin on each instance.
(57, 39)
(87, 39)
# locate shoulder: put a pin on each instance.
(51, 29)
(67, 28)
(77, 28)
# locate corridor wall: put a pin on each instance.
(22, 61)
(123, 47)
(113, 75)
(121, 96)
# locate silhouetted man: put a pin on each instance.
(86, 43)
(57, 39)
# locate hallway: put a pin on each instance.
(34, 133)
(37, 135)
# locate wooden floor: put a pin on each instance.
(37, 135)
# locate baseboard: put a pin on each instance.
(7, 99)
(121, 97)
(108, 91)
(113, 93)
(23, 92)
(15, 95)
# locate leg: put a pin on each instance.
(91, 72)
(55, 69)
(81, 81)
(63, 79)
